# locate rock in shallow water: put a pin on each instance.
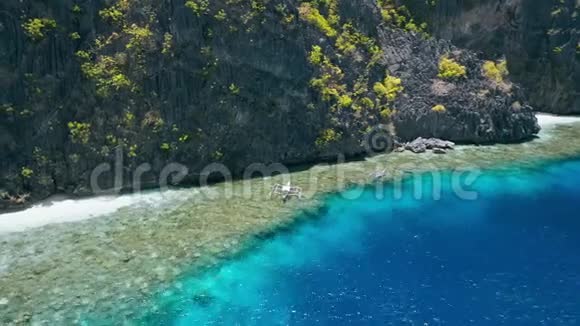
(421, 145)
(416, 147)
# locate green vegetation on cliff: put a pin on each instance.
(439, 108)
(495, 71)
(37, 28)
(313, 16)
(450, 69)
(79, 131)
(389, 88)
(400, 16)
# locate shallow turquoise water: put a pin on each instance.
(509, 257)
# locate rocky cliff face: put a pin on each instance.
(228, 81)
(476, 109)
(539, 38)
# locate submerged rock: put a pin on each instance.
(439, 151)
(203, 298)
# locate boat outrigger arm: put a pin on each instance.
(286, 191)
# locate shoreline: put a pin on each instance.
(549, 121)
(75, 209)
(63, 209)
(109, 265)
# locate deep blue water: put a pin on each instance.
(510, 257)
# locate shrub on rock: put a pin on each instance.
(450, 69)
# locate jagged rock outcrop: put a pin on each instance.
(476, 110)
(421, 145)
(196, 82)
(539, 38)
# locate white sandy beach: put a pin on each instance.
(55, 211)
(547, 121)
(58, 210)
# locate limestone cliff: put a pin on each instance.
(229, 81)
